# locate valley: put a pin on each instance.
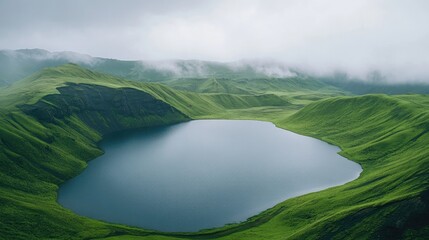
(52, 121)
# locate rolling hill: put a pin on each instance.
(52, 121)
(17, 64)
(184, 74)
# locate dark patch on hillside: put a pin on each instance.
(412, 214)
(104, 109)
(396, 219)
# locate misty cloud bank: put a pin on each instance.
(196, 68)
(17, 64)
(44, 55)
(360, 38)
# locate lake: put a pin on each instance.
(201, 174)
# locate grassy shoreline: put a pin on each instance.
(387, 135)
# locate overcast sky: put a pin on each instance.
(356, 36)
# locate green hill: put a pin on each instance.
(51, 122)
(388, 137)
(199, 76)
(17, 64)
(252, 85)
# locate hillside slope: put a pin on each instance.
(388, 136)
(47, 81)
(252, 86)
(50, 124)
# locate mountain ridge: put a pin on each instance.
(17, 64)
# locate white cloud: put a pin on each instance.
(319, 35)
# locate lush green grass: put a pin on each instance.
(387, 135)
(288, 85)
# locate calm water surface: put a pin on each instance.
(202, 174)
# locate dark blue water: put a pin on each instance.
(202, 174)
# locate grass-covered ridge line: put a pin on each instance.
(387, 135)
(17, 64)
(102, 108)
(46, 82)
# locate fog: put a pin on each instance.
(320, 36)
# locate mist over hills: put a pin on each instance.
(18, 64)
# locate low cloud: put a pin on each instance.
(42, 55)
(265, 67)
(319, 36)
(176, 68)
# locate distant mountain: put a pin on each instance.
(375, 83)
(17, 64)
